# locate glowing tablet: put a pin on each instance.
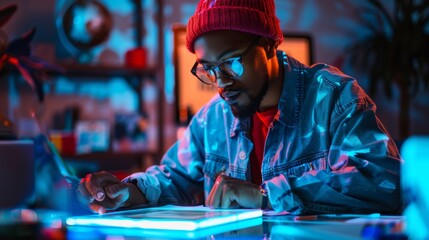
(172, 218)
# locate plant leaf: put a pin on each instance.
(7, 12)
(29, 76)
(40, 65)
(38, 86)
(383, 10)
(24, 72)
(21, 46)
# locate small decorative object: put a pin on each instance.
(82, 25)
(92, 136)
(64, 141)
(136, 57)
(6, 129)
(130, 132)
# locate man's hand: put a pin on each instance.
(102, 191)
(230, 192)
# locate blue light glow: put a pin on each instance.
(182, 218)
(140, 223)
(79, 232)
(414, 178)
(64, 86)
(169, 82)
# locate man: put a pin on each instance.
(279, 136)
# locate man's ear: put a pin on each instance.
(270, 47)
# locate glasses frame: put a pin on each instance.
(216, 68)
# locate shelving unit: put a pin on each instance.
(113, 161)
(80, 70)
(109, 155)
(134, 77)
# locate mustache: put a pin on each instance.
(229, 94)
(229, 91)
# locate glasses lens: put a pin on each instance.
(232, 68)
(206, 76)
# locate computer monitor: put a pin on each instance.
(17, 173)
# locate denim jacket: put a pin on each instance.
(325, 152)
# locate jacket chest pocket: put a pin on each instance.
(313, 162)
(298, 167)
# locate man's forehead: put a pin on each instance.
(217, 46)
(207, 55)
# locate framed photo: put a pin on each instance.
(130, 132)
(92, 136)
(191, 94)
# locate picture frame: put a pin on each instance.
(92, 136)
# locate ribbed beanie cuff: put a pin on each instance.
(250, 16)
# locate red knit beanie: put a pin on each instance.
(251, 16)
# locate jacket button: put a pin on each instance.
(242, 155)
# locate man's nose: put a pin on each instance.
(221, 80)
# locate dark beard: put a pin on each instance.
(243, 112)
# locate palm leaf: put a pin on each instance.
(6, 13)
(21, 45)
(383, 10)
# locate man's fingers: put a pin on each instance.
(210, 197)
(229, 192)
(97, 208)
(215, 196)
(96, 182)
(83, 195)
(116, 190)
(94, 192)
(227, 198)
(94, 187)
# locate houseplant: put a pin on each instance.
(395, 53)
(16, 55)
(16, 58)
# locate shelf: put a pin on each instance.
(112, 161)
(110, 155)
(103, 71)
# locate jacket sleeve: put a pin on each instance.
(179, 179)
(362, 166)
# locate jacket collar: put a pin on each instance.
(291, 98)
(293, 89)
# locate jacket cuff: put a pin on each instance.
(281, 197)
(149, 185)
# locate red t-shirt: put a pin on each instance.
(261, 122)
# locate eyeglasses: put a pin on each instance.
(231, 68)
